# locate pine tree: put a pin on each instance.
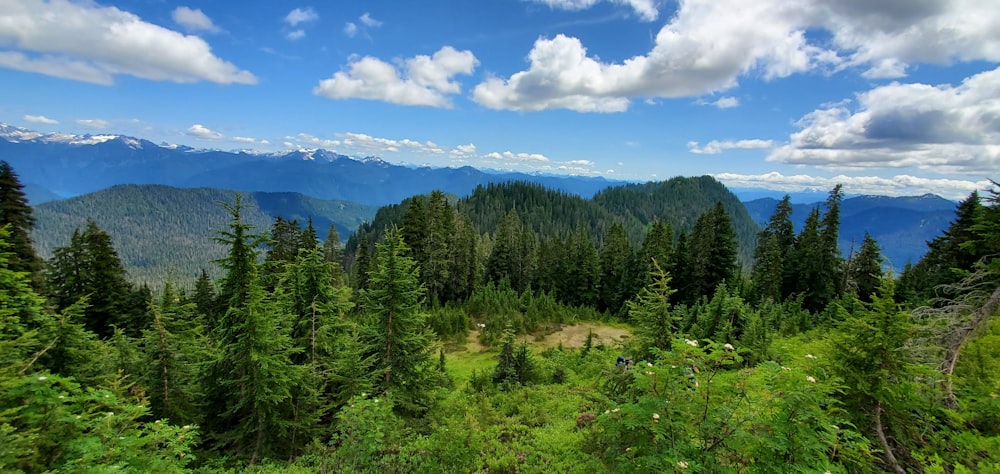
(616, 269)
(399, 336)
(713, 251)
(17, 214)
(250, 385)
(204, 299)
(333, 252)
(865, 269)
(437, 246)
(774, 243)
(650, 312)
(803, 271)
(90, 267)
(830, 259)
(679, 268)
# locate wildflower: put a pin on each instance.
(186, 427)
(61, 397)
(691, 343)
(607, 411)
(42, 378)
(628, 449)
(656, 417)
(376, 400)
(729, 347)
(785, 368)
(811, 379)
(649, 373)
(616, 410)
(810, 356)
(111, 413)
(682, 464)
(649, 364)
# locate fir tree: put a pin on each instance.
(650, 312)
(713, 255)
(400, 338)
(774, 243)
(865, 269)
(17, 214)
(616, 269)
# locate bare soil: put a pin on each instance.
(571, 336)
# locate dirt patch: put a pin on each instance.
(570, 336)
(576, 335)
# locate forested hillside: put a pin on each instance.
(160, 230)
(437, 346)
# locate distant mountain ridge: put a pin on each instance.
(901, 225)
(72, 165)
(160, 230)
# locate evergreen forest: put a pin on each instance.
(434, 340)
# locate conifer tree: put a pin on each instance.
(713, 250)
(90, 267)
(774, 243)
(204, 299)
(333, 253)
(650, 312)
(865, 269)
(17, 214)
(462, 273)
(583, 275)
(679, 268)
(616, 269)
(250, 385)
(397, 330)
(803, 272)
(440, 231)
(658, 246)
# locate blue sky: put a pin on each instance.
(896, 97)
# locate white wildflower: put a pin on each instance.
(42, 378)
(729, 347)
(682, 464)
(691, 343)
(656, 417)
(649, 364)
(616, 410)
(811, 379)
(810, 356)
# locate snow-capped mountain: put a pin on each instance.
(70, 165)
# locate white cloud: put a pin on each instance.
(899, 185)
(350, 29)
(368, 143)
(708, 45)
(193, 19)
(40, 119)
(368, 21)
(464, 151)
(509, 156)
(314, 141)
(715, 147)
(93, 123)
(244, 139)
(944, 128)
(296, 34)
(200, 131)
(646, 9)
(300, 15)
(86, 42)
(421, 80)
(726, 102)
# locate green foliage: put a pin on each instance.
(17, 216)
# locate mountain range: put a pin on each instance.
(57, 165)
(69, 165)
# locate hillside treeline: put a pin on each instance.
(805, 362)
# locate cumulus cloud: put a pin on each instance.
(509, 156)
(86, 42)
(193, 19)
(296, 34)
(899, 185)
(462, 152)
(200, 131)
(244, 139)
(372, 144)
(305, 138)
(708, 45)
(93, 123)
(646, 9)
(420, 80)
(301, 15)
(715, 147)
(943, 128)
(40, 119)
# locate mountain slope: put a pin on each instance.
(160, 230)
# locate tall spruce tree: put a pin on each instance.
(250, 385)
(616, 269)
(713, 255)
(865, 269)
(397, 330)
(774, 244)
(650, 312)
(89, 267)
(437, 247)
(16, 213)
